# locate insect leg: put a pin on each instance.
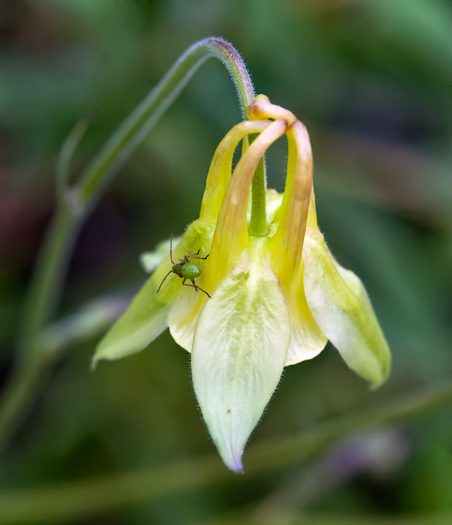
(196, 287)
(171, 248)
(195, 256)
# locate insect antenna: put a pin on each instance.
(158, 289)
(171, 250)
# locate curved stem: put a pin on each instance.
(65, 156)
(74, 205)
(133, 130)
(31, 362)
(26, 379)
(50, 270)
(74, 500)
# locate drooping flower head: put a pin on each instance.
(276, 298)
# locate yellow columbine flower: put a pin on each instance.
(275, 299)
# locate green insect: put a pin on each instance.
(185, 269)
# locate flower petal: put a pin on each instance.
(306, 338)
(287, 243)
(220, 168)
(238, 356)
(144, 320)
(183, 316)
(231, 237)
(184, 312)
(342, 309)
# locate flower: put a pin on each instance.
(275, 298)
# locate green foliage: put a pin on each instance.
(371, 80)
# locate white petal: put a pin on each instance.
(341, 308)
(183, 316)
(147, 315)
(306, 338)
(239, 351)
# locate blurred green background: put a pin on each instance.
(372, 81)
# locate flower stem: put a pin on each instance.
(50, 270)
(75, 203)
(258, 220)
(133, 130)
(71, 501)
(43, 293)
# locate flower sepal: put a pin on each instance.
(147, 315)
(342, 309)
(239, 351)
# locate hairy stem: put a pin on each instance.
(133, 130)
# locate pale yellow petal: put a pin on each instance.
(342, 309)
(231, 237)
(239, 352)
(306, 338)
(221, 167)
(147, 315)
